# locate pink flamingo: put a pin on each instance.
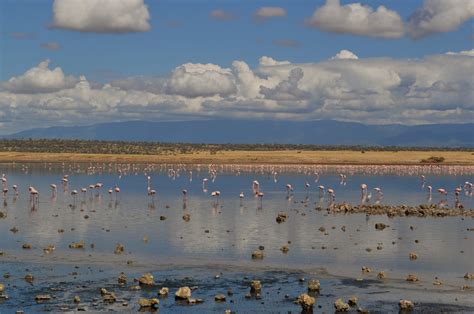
(53, 190)
(110, 191)
(15, 189)
(74, 194)
(241, 196)
(363, 191)
(34, 195)
(98, 187)
(255, 187)
(185, 195)
(430, 189)
(84, 191)
(150, 192)
(204, 184)
(260, 196)
(215, 195)
(332, 196)
(289, 189)
(321, 191)
(117, 191)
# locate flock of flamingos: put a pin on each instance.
(212, 172)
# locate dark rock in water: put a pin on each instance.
(162, 217)
(341, 306)
(27, 246)
(306, 301)
(122, 279)
(219, 298)
(186, 217)
(282, 216)
(3, 215)
(148, 303)
(258, 254)
(119, 249)
(147, 280)
(29, 278)
(380, 226)
(183, 293)
(406, 305)
(255, 286)
(285, 249)
(353, 301)
(413, 256)
(381, 275)
(314, 285)
(108, 296)
(412, 278)
(43, 297)
(77, 299)
(77, 245)
(468, 276)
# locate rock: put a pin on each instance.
(2, 288)
(322, 229)
(467, 287)
(194, 301)
(42, 297)
(340, 306)
(381, 275)
(412, 278)
(49, 249)
(108, 296)
(183, 293)
(77, 245)
(257, 254)
(468, 276)
(437, 282)
(186, 217)
(163, 291)
(119, 249)
(353, 301)
(135, 288)
(29, 278)
(146, 280)
(219, 298)
(285, 248)
(148, 303)
(3, 215)
(14, 230)
(306, 301)
(406, 305)
(413, 256)
(77, 299)
(282, 216)
(366, 269)
(255, 286)
(380, 226)
(162, 218)
(122, 279)
(27, 246)
(314, 285)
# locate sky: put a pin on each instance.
(71, 62)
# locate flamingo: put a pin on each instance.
(363, 191)
(241, 196)
(307, 186)
(215, 195)
(117, 191)
(442, 192)
(321, 191)
(150, 192)
(289, 189)
(110, 191)
(15, 188)
(430, 189)
(260, 196)
(53, 190)
(84, 191)
(332, 196)
(204, 184)
(255, 187)
(91, 188)
(74, 193)
(34, 195)
(423, 180)
(98, 186)
(185, 195)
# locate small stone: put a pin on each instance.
(27, 246)
(122, 279)
(341, 306)
(314, 285)
(366, 269)
(119, 249)
(162, 218)
(413, 256)
(468, 276)
(381, 275)
(148, 303)
(14, 230)
(437, 282)
(282, 216)
(220, 298)
(77, 245)
(42, 297)
(146, 280)
(163, 291)
(257, 254)
(353, 301)
(285, 248)
(255, 286)
(380, 226)
(183, 293)
(29, 278)
(186, 217)
(412, 278)
(77, 299)
(406, 305)
(306, 301)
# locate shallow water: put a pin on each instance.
(223, 233)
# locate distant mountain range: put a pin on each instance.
(321, 132)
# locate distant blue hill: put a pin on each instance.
(322, 132)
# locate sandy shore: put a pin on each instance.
(254, 157)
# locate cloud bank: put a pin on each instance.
(101, 16)
(434, 89)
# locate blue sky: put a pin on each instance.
(182, 32)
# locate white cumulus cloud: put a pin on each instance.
(264, 13)
(439, 16)
(345, 54)
(357, 19)
(101, 16)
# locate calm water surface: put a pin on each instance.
(224, 232)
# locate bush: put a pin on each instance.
(433, 160)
